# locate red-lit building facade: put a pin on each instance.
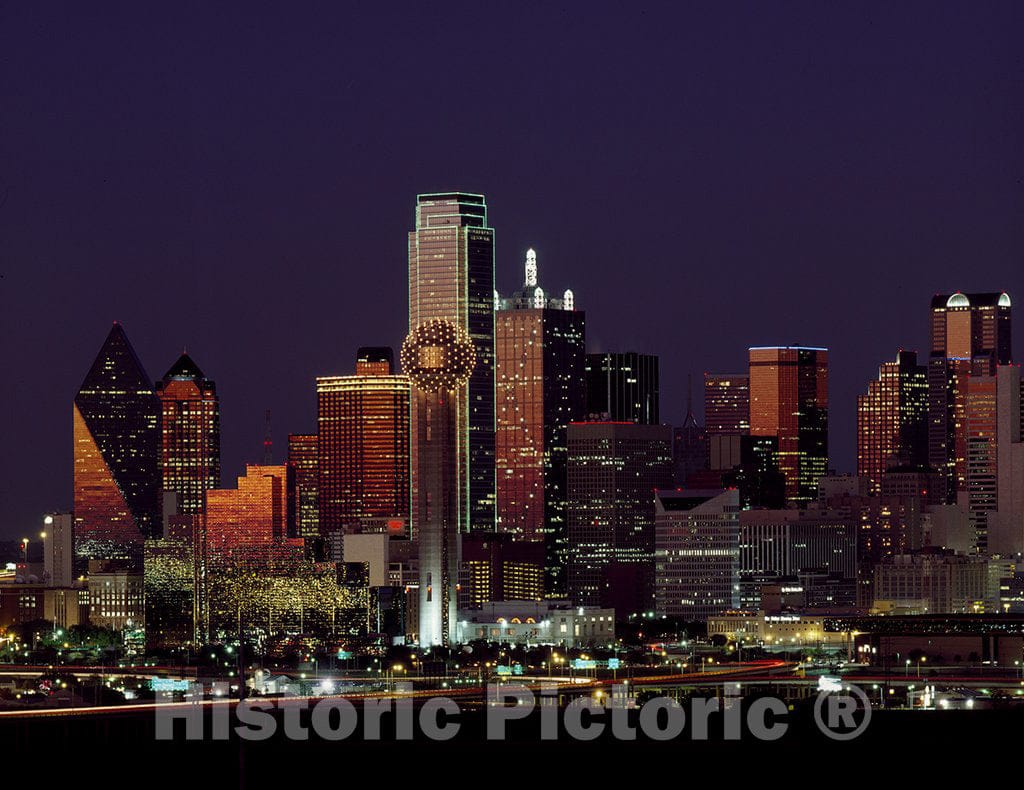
(970, 336)
(540, 350)
(189, 457)
(363, 446)
(789, 400)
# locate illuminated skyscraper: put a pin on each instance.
(451, 277)
(539, 345)
(789, 399)
(363, 446)
(892, 420)
(189, 434)
(116, 440)
(726, 403)
(303, 454)
(623, 387)
(995, 460)
(438, 357)
(614, 469)
(970, 336)
(1006, 530)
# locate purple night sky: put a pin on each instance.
(242, 182)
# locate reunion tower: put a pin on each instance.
(439, 358)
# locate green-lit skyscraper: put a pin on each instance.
(451, 278)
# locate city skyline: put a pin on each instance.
(802, 180)
(281, 453)
(443, 384)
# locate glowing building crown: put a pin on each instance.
(438, 355)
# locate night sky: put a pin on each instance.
(242, 183)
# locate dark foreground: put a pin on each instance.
(90, 746)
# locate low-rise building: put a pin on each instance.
(932, 581)
(538, 622)
(776, 630)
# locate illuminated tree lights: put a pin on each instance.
(438, 356)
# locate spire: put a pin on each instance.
(690, 422)
(268, 443)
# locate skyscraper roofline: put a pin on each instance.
(941, 301)
(787, 348)
(474, 197)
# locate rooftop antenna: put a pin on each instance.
(268, 443)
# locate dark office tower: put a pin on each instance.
(189, 435)
(970, 336)
(116, 441)
(789, 400)
(614, 469)
(363, 447)
(539, 349)
(303, 456)
(689, 448)
(451, 277)
(892, 420)
(750, 464)
(623, 387)
(726, 403)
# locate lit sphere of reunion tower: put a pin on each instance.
(438, 356)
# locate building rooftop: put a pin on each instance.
(184, 368)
